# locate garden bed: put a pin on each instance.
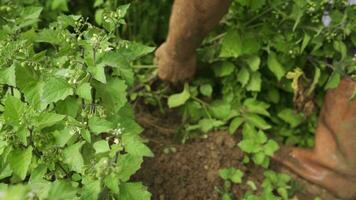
(190, 171)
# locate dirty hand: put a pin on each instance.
(173, 69)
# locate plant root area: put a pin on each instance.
(189, 171)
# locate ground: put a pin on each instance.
(189, 171)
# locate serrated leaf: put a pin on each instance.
(276, 68)
(113, 94)
(56, 89)
(235, 124)
(179, 99)
(134, 191)
(14, 109)
(243, 76)
(48, 119)
(220, 109)
(73, 157)
(84, 91)
(91, 190)
(61, 190)
(271, 147)
(112, 182)
(98, 72)
(259, 158)
(207, 125)
(206, 90)
(255, 106)
(129, 165)
(62, 137)
(224, 69)
(291, 117)
(333, 81)
(8, 76)
(255, 82)
(257, 121)
(248, 146)
(101, 146)
(98, 125)
(254, 62)
(231, 45)
(135, 146)
(20, 161)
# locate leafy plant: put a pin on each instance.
(230, 176)
(258, 145)
(275, 186)
(66, 128)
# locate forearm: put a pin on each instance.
(190, 22)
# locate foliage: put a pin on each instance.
(67, 130)
(270, 64)
(275, 186)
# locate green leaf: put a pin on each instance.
(113, 94)
(257, 121)
(235, 124)
(259, 158)
(235, 175)
(254, 62)
(98, 72)
(207, 125)
(59, 5)
(61, 190)
(206, 90)
(20, 161)
(134, 191)
(248, 146)
(48, 119)
(133, 50)
(135, 146)
(84, 91)
(231, 45)
(291, 117)
(305, 42)
(98, 125)
(333, 81)
(243, 76)
(56, 89)
(7, 76)
(73, 157)
(91, 190)
(255, 82)
(101, 146)
(112, 182)
(224, 69)
(255, 106)
(14, 109)
(220, 109)
(62, 137)
(341, 48)
(129, 165)
(275, 67)
(271, 147)
(176, 100)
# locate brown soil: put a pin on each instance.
(190, 171)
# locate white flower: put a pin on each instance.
(326, 19)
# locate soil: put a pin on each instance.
(189, 171)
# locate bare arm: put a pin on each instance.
(190, 22)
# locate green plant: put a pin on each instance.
(230, 176)
(67, 130)
(257, 145)
(275, 187)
